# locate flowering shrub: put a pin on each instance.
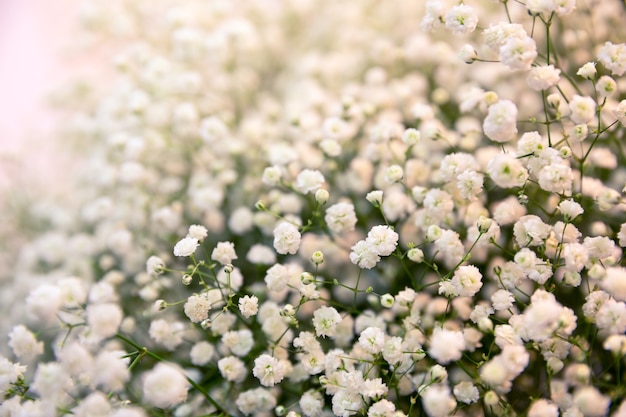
(319, 208)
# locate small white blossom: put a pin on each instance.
(461, 19)
(613, 57)
(268, 370)
(500, 125)
(325, 321)
(309, 181)
(186, 246)
(165, 386)
(224, 253)
(286, 238)
(248, 305)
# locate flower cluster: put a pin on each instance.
(301, 208)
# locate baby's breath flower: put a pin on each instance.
(186, 246)
(587, 71)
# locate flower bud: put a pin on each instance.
(433, 233)
(588, 71)
(554, 100)
(491, 399)
(468, 54)
(416, 255)
(375, 197)
(317, 257)
(187, 279)
(387, 300)
(206, 324)
(483, 224)
(160, 305)
(554, 365)
(322, 196)
(307, 278)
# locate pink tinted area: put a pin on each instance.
(32, 36)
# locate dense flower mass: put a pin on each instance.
(316, 208)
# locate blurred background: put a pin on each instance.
(34, 39)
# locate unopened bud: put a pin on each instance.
(317, 257)
(160, 305)
(321, 196)
(387, 300)
(484, 223)
(375, 197)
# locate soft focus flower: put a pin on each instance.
(165, 386)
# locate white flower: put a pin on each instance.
(570, 209)
(606, 86)
(24, 343)
(197, 231)
(104, 319)
(502, 300)
(110, 370)
(155, 266)
(166, 334)
(165, 386)
(197, 307)
(611, 317)
(497, 35)
(186, 246)
(382, 408)
(325, 321)
(507, 171)
(224, 253)
(446, 345)
(232, 368)
(466, 392)
(461, 19)
(543, 77)
(248, 305)
(467, 280)
(364, 254)
(518, 52)
(470, 184)
(530, 230)
(500, 125)
(277, 278)
(341, 217)
(255, 401)
(394, 173)
(543, 408)
(587, 71)
(272, 175)
(309, 181)
(286, 238)
(372, 339)
(615, 282)
(438, 401)
(583, 109)
(9, 373)
(268, 370)
(240, 342)
(613, 57)
(212, 129)
(311, 403)
(591, 402)
(202, 353)
(556, 177)
(382, 239)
